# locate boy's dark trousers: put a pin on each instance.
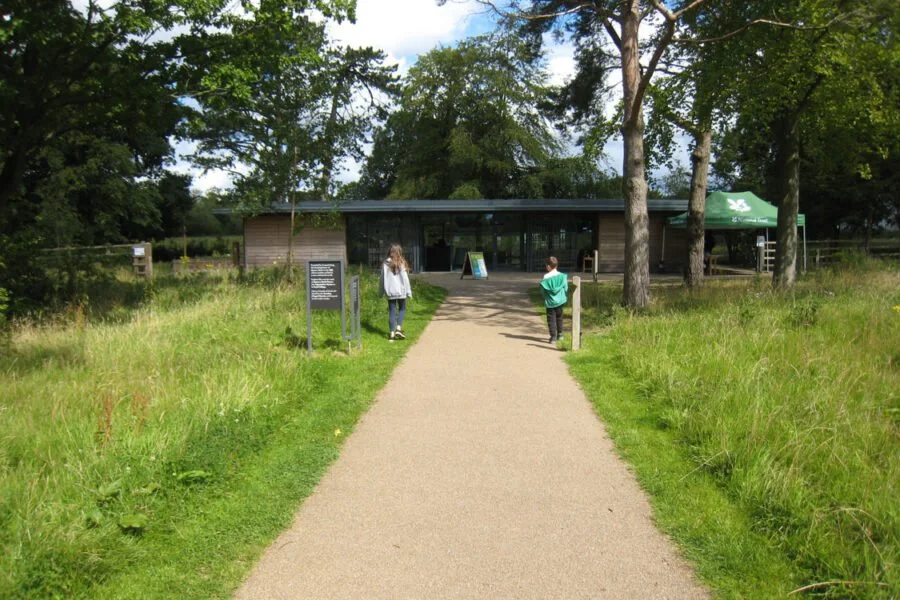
(555, 322)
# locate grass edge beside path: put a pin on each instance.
(222, 542)
(711, 532)
(168, 477)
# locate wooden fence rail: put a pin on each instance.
(141, 255)
(825, 252)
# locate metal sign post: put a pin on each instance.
(355, 329)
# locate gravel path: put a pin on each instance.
(481, 471)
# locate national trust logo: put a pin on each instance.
(739, 205)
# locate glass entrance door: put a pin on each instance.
(508, 242)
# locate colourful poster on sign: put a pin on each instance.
(475, 266)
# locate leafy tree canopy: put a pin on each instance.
(469, 125)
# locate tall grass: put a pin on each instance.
(789, 403)
(157, 453)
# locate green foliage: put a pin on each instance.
(173, 248)
(128, 446)
(785, 405)
(803, 312)
(279, 101)
(134, 523)
(836, 76)
(92, 98)
(466, 191)
(469, 124)
(193, 476)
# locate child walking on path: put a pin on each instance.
(395, 285)
(554, 287)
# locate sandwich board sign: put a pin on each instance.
(475, 266)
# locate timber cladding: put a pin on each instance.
(611, 237)
(266, 242)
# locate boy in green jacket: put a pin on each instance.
(554, 286)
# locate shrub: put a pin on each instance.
(171, 249)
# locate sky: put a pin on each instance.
(404, 30)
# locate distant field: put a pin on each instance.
(765, 426)
(154, 448)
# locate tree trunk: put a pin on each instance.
(636, 293)
(788, 173)
(290, 249)
(290, 252)
(328, 154)
(693, 276)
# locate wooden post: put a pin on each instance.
(576, 315)
(142, 255)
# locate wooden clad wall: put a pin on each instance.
(611, 230)
(676, 250)
(266, 242)
(611, 234)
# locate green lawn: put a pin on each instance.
(764, 426)
(156, 451)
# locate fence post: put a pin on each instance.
(143, 260)
(576, 315)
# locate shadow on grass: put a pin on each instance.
(32, 358)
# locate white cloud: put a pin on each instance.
(405, 28)
(82, 5)
(213, 179)
(560, 62)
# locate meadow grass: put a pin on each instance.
(156, 451)
(763, 425)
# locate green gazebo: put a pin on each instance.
(738, 210)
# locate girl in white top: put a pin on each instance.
(395, 285)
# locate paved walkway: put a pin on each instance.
(480, 472)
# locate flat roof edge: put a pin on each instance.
(431, 206)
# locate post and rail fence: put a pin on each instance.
(141, 255)
(823, 253)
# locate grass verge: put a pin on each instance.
(764, 426)
(158, 453)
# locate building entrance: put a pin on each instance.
(447, 238)
(510, 241)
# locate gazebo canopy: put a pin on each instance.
(736, 210)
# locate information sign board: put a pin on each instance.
(326, 288)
